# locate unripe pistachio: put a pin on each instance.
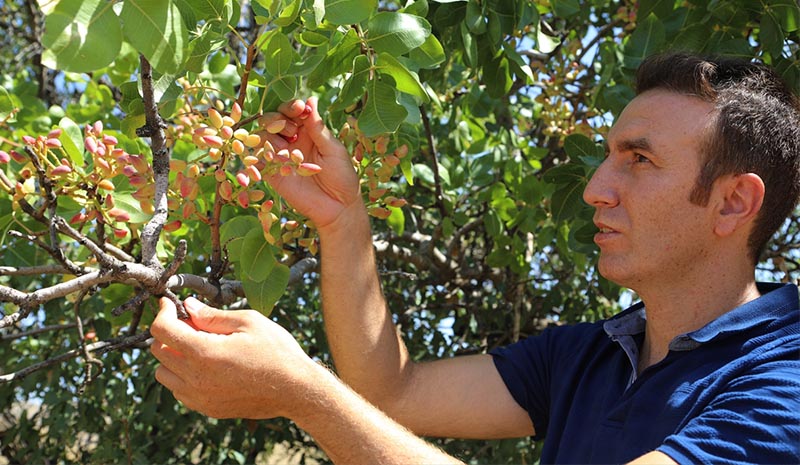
(215, 154)
(54, 134)
(110, 140)
(226, 132)
(17, 157)
(256, 195)
(120, 233)
(240, 134)
(215, 118)
(236, 112)
(226, 190)
(297, 156)
(90, 144)
(274, 127)
(177, 165)
(119, 214)
(52, 143)
(391, 160)
(243, 199)
(250, 160)
(379, 212)
(238, 147)
(4, 157)
(60, 169)
(283, 156)
(243, 179)
(286, 170)
(189, 209)
(252, 140)
(193, 171)
(213, 141)
(308, 169)
(106, 184)
(78, 218)
(253, 173)
(147, 207)
(401, 152)
(219, 175)
(172, 226)
(228, 121)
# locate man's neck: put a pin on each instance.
(675, 310)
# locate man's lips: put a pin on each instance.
(604, 234)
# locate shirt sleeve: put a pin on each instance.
(528, 369)
(755, 420)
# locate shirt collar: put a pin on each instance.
(776, 299)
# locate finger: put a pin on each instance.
(319, 133)
(211, 320)
(293, 109)
(170, 330)
(169, 379)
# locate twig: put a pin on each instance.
(97, 347)
(434, 158)
(88, 358)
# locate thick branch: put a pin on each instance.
(153, 129)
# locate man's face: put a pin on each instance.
(650, 233)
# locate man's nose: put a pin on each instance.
(601, 190)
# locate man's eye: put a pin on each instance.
(639, 158)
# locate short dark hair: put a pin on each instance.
(757, 128)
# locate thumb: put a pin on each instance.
(212, 320)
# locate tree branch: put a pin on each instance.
(97, 347)
(154, 129)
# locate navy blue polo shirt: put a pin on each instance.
(726, 393)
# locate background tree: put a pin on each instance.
(131, 158)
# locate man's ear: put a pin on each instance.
(743, 195)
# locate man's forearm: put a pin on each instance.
(352, 431)
(366, 348)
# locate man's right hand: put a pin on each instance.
(324, 196)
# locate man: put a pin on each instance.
(702, 167)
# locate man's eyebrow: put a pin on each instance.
(629, 145)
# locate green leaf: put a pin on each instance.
(257, 258)
(397, 33)
(278, 54)
(338, 60)
(565, 8)
(72, 140)
(645, 40)
(661, 8)
(233, 232)
(353, 88)
(396, 220)
(342, 12)
(429, 54)
(8, 103)
(289, 14)
(81, 36)
(579, 146)
(405, 80)
(156, 30)
(262, 295)
(382, 113)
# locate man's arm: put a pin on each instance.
(462, 397)
(242, 365)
